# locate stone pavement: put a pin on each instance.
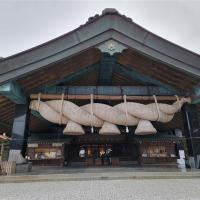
(155, 189)
(44, 174)
(37, 170)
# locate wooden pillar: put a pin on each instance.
(2, 150)
(19, 134)
(140, 150)
(192, 134)
(107, 65)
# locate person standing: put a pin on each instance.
(108, 155)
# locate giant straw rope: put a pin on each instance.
(105, 116)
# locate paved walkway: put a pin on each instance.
(37, 170)
(156, 189)
(43, 174)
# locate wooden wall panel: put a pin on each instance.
(156, 70)
(59, 71)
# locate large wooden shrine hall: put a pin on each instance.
(107, 93)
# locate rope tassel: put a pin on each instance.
(91, 112)
(126, 111)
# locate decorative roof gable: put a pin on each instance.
(110, 26)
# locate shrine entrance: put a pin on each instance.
(102, 152)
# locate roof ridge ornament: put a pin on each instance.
(109, 10)
(111, 47)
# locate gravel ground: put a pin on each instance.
(103, 190)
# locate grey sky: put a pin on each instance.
(24, 24)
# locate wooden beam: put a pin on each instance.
(142, 78)
(109, 90)
(70, 78)
(14, 92)
(101, 97)
(196, 95)
(107, 65)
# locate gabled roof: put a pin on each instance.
(98, 29)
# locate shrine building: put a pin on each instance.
(107, 93)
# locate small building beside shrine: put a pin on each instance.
(107, 93)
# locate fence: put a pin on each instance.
(8, 167)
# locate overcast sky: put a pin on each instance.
(24, 24)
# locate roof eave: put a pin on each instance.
(103, 28)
